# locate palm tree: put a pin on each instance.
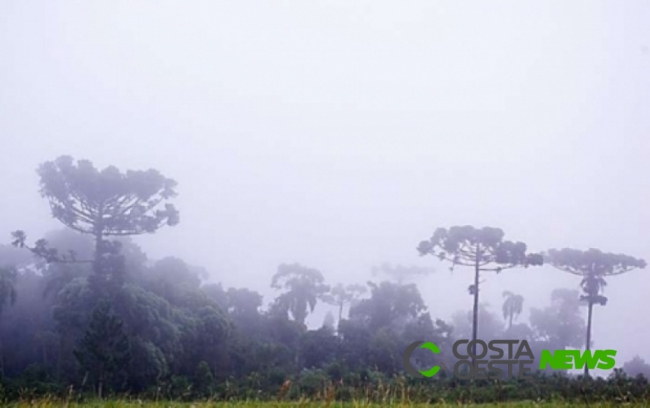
(303, 288)
(512, 306)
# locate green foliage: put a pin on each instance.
(102, 203)
(104, 351)
(203, 380)
(318, 348)
(7, 287)
(96, 317)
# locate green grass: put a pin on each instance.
(47, 403)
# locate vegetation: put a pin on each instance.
(85, 315)
(286, 404)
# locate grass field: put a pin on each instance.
(304, 404)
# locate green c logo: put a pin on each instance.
(407, 355)
(434, 349)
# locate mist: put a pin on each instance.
(338, 134)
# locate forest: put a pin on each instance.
(85, 312)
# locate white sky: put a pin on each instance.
(339, 134)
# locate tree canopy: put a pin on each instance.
(86, 308)
(107, 201)
(593, 266)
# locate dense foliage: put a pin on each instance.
(81, 313)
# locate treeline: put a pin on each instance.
(84, 311)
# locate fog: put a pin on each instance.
(340, 134)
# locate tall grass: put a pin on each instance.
(397, 391)
(123, 403)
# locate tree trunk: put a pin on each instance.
(588, 345)
(98, 249)
(98, 231)
(100, 385)
(510, 323)
(475, 314)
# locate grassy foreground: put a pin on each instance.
(46, 403)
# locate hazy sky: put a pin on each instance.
(339, 134)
